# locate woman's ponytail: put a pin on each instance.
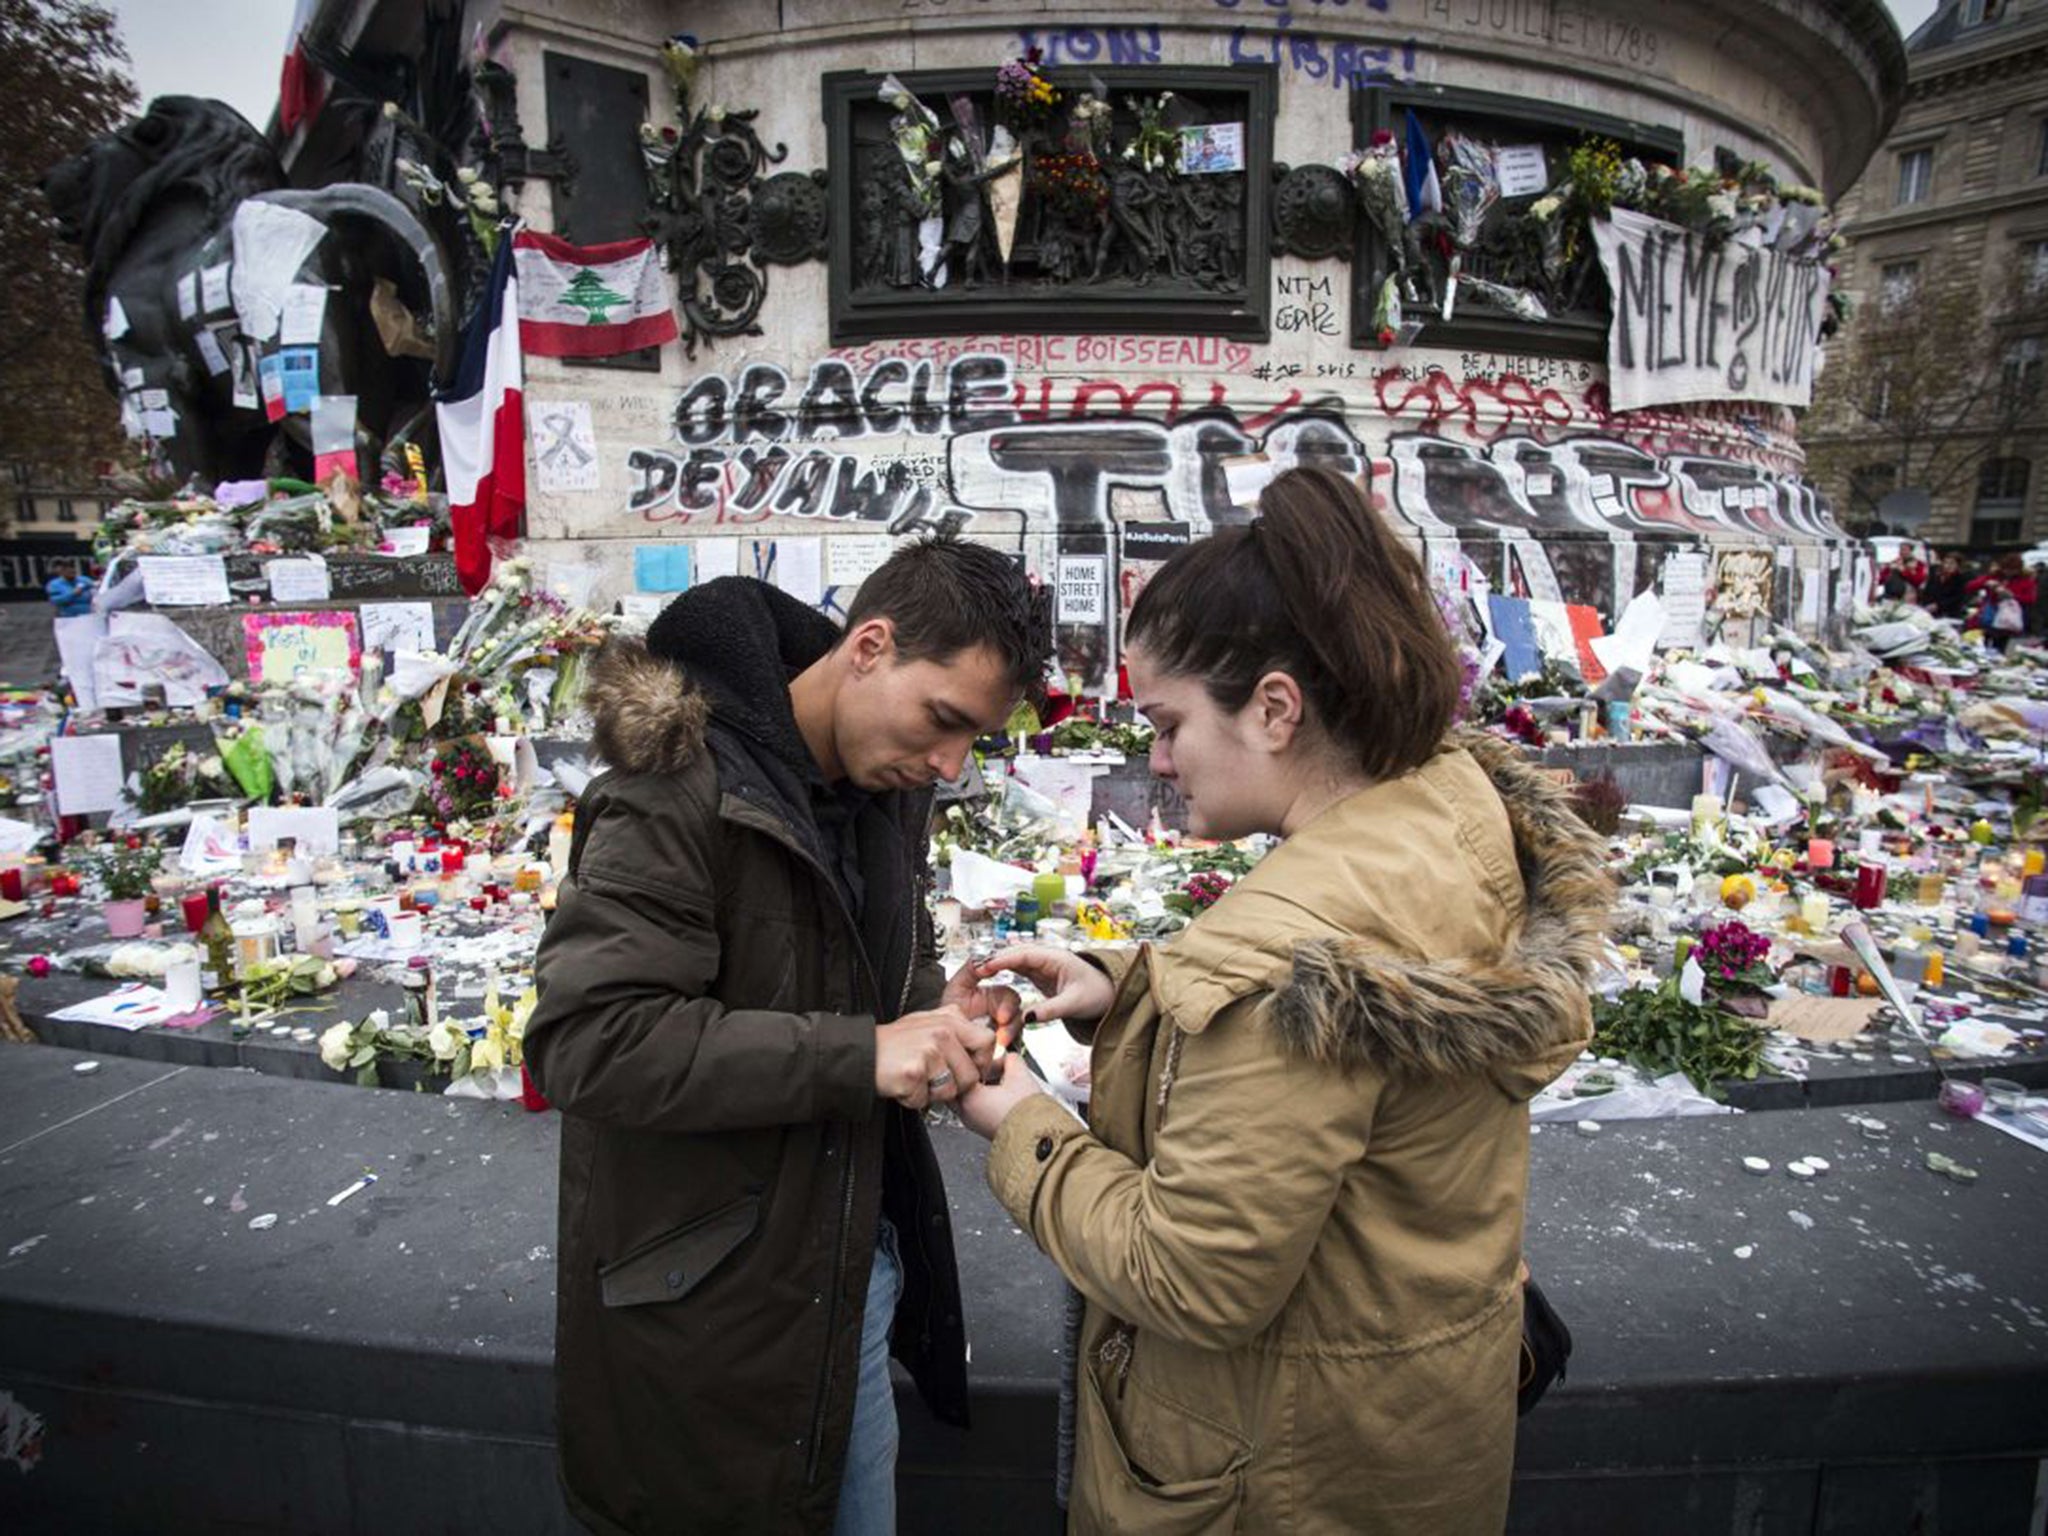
(1321, 589)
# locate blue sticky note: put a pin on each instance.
(661, 567)
(1516, 631)
(300, 368)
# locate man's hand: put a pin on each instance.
(930, 1057)
(984, 1110)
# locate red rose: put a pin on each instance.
(39, 965)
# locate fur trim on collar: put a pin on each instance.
(648, 717)
(1519, 1018)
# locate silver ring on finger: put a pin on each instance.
(944, 1077)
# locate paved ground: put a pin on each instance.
(28, 646)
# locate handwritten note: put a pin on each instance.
(88, 773)
(184, 581)
(305, 306)
(299, 580)
(398, 626)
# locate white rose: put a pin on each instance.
(334, 1047)
(446, 1039)
(466, 175)
(716, 112)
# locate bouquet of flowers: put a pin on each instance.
(1155, 146)
(177, 778)
(915, 132)
(1071, 184)
(464, 783)
(1471, 186)
(356, 1047)
(1025, 99)
(1091, 119)
(1376, 172)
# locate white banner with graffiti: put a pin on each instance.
(1700, 321)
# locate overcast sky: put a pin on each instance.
(231, 49)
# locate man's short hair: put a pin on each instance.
(946, 595)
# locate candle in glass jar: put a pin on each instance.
(1871, 877)
(1813, 907)
(194, 907)
(1820, 853)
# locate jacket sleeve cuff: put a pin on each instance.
(1026, 1143)
(843, 1065)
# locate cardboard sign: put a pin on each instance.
(282, 645)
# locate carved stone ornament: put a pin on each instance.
(716, 214)
(1314, 212)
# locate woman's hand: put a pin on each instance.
(986, 1106)
(1072, 989)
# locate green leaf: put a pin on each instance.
(363, 1056)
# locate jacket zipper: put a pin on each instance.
(846, 1171)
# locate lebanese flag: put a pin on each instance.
(483, 429)
(301, 86)
(590, 300)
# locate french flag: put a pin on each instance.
(300, 87)
(483, 428)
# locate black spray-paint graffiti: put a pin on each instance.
(745, 446)
(1536, 499)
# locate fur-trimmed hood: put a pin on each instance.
(1371, 959)
(729, 647)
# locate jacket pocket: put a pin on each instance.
(669, 1267)
(1151, 1468)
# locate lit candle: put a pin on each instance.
(1813, 908)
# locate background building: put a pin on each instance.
(1931, 402)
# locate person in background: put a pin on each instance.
(2004, 596)
(1901, 581)
(69, 592)
(1947, 589)
(1295, 1213)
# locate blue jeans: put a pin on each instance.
(867, 1489)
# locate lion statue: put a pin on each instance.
(154, 207)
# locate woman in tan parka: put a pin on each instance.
(1295, 1213)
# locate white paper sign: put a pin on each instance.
(853, 558)
(213, 289)
(800, 568)
(78, 641)
(564, 445)
(408, 541)
(144, 649)
(1083, 589)
(398, 626)
(299, 580)
(1520, 169)
(184, 581)
(209, 351)
(712, 558)
(1696, 322)
(1684, 587)
(1810, 590)
(304, 306)
(188, 296)
(271, 241)
(88, 773)
(316, 828)
(116, 325)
